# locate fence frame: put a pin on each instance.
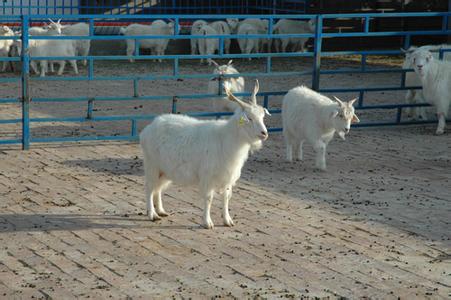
(316, 71)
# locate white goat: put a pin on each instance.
(206, 153)
(40, 48)
(435, 76)
(308, 115)
(416, 96)
(262, 28)
(235, 84)
(260, 25)
(195, 27)
(40, 31)
(248, 45)
(5, 45)
(289, 26)
(222, 28)
(156, 46)
(78, 29)
(207, 46)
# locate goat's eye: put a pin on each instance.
(250, 119)
(427, 59)
(414, 60)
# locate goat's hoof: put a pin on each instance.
(321, 168)
(440, 132)
(154, 217)
(228, 222)
(162, 213)
(208, 224)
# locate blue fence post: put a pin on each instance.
(317, 52)
(134, 129)
(135, 88)
(25, 76)
(174, 104)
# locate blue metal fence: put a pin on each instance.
(317, 54)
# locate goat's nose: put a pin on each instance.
(347, 130)
(419, 66)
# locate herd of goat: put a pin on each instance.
(211, 153)
(204, 46)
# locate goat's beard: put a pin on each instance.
(342, 134)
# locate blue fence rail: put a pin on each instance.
(317, 54)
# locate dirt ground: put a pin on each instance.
(376, 224)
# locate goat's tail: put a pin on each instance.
(122, 30)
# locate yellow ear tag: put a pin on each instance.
(241, 121)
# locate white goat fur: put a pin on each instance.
(308, 115)
(156, 46)
(206, 153)
(207, 46)
(222, 28)
(261, 26)
(435, 76)
(416, 96)
(235, 84)
(195, 27)
(52, 48)
(79, 29)
(249, 45)
(40, 48)
(289, 26)
(5, 45)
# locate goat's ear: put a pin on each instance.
(351, 102)
(59, 21)
(339, 101)
(334, 114)
(355, 119)
(267, 112)
(230, 62)
(255, 92)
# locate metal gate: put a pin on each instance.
(316, 55)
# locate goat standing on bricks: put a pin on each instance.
(236, 85)
(79, 29)
(207, 46)
(206, 153)
(435, 76)
(5, 46)
(308, 115)
(197, 25)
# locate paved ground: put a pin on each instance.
(376, 224)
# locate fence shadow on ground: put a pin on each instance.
(112, 166)
(52, 222)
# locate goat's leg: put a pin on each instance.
(159, 205)
(320, 148)
(441, 123)
(208, 199)
(74, 66)
(225, 213)
(301, 152)
(34, 67)
(62, 64)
